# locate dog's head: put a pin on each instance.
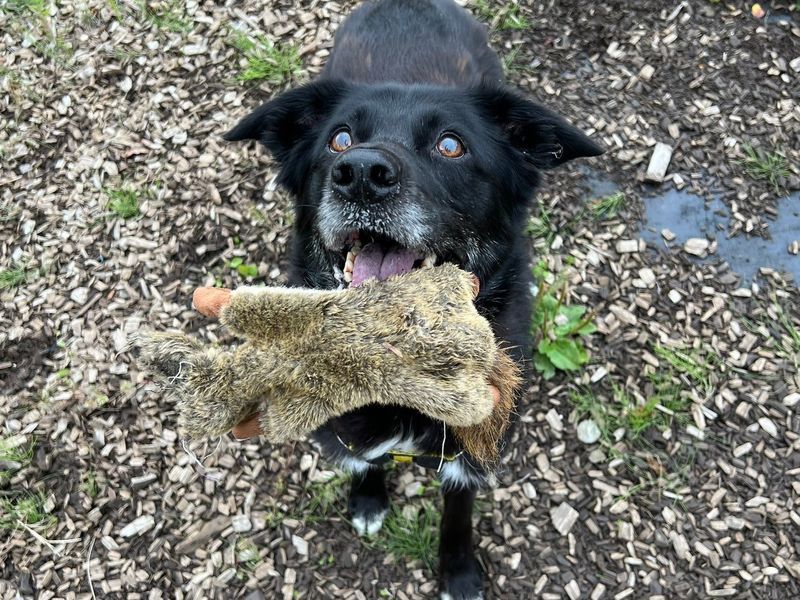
(391, 177)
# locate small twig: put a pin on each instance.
(199, 466)
(89, 569)
(45, 541)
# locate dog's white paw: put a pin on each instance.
(369, 525)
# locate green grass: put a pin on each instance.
(27, 509)
(540, 227)
(123, 202)
(510, 64)
(326, 560)
(639, 418)
(244, 269)
(788, 341)
(766, 166)
(608, 207)
(126, 55)
(13, 458)
(11, 278)
(697, 368)
(89, 484)
(509, 17)
(247, 556)
(791, 330)
(54, 48)
(324, 498)
(587, 406)
(663, 406)
(37, 7)
(273, 63)
(412, 538)
(558, 327)
(169, 16)
(513, 19)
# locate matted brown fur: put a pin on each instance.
(310, 355)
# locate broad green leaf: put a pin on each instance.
(564, 354)
(574, 314)
(543, 365)
(235, 262)
(247, 270)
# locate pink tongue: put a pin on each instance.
(372, 261)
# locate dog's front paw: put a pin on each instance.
(367, 513)
(368, 503)
(461, 580)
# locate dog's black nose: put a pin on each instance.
(365, 175)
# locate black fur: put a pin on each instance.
(402, 73)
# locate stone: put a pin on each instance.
(79, 295)
(241, 523)
(667, 234)
(675, 296)
(588, 431)
(563, 518)
(300, 545)
(659, 161)
(696, 247)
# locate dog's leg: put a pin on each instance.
(369, 500)
(459, 570)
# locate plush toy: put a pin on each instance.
(310, 355)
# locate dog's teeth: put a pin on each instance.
(348, 275)
(429, 261)
(348, 264)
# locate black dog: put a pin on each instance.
(409, 150)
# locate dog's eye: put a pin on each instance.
(450, 146)
(340, 141)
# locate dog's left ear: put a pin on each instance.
(545, 139)
(284, 121)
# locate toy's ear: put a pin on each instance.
(545, 139)
(284, 121)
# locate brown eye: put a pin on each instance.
(340, 141)
(450, 146)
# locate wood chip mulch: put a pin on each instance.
(100, 96)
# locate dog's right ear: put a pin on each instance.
(283, 121)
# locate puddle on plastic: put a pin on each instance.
(687, 215)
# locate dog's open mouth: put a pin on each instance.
(372, 256)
